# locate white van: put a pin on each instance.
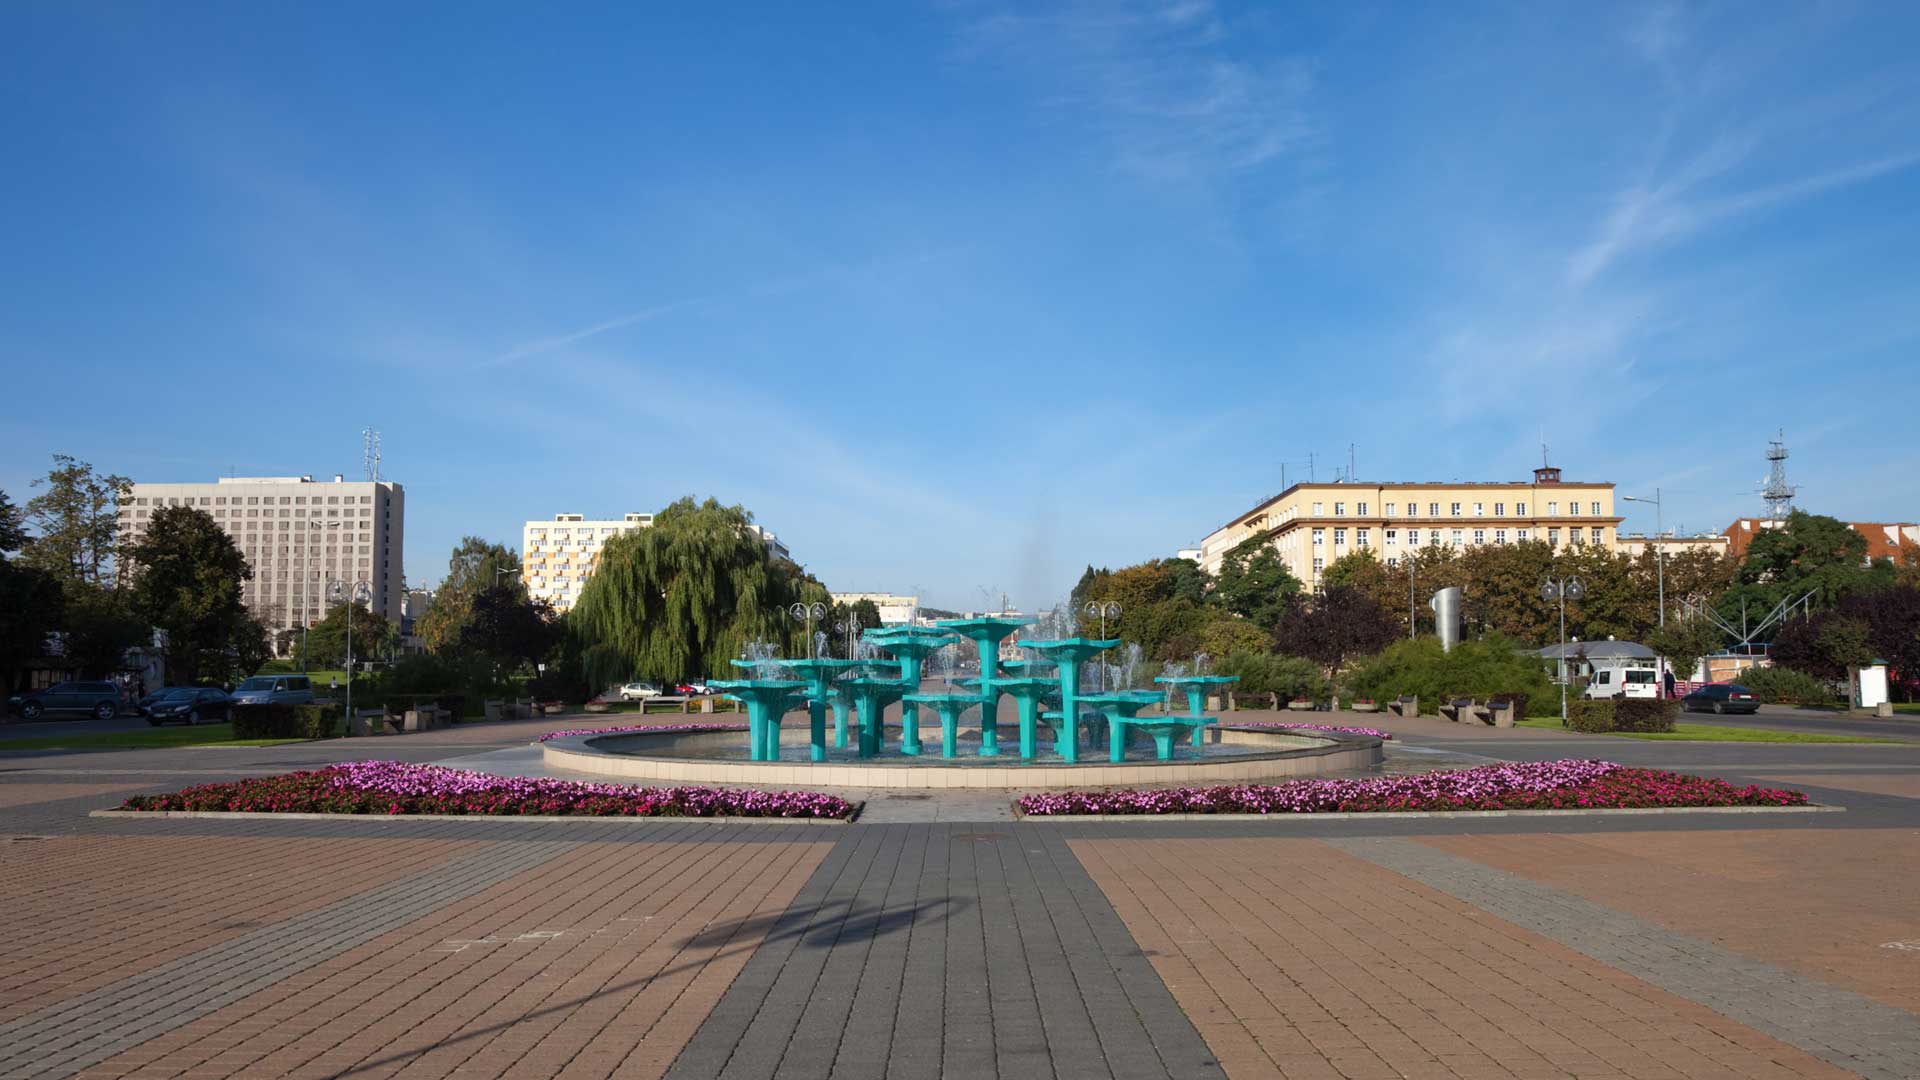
(1624, 682)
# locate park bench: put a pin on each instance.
(1459, 709)
(422, 718)
(369, 722)
(496, 709)
(1405, 705)
(1163, 730)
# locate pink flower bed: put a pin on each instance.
(1375, 732)
(617, 729)
(1533, 785)
(397, 787)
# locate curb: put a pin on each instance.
(544, 819)
(1414, 815)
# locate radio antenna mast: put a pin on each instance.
(370, 453)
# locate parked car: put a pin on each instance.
(101, 700)
(1721, 697)
(274, 690)
(187, 704)
(692, 689)
(1624, 682)
(638, 691)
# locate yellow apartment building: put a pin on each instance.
(1311, 525)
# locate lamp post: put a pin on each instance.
(1659, 546)
(1413, 623)
(360, 593)
(848, 626)
(306, 584)
(1106, 610)
(809, 612)
(1563, 590)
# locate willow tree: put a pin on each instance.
(680, 599)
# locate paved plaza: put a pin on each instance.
(940, 937)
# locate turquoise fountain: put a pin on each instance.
(767, 700)
(1069, 654)
(986, 633)
(910, 645)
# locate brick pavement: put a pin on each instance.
(1295, 959)
(1826, 903)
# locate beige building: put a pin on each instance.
(1311, 525)
(895, 609)
(300, 536)
(1637, 544)
(559, 555)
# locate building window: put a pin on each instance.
(1393, 536)
(1316, 509)
(1319, 537)
(1596, 537)
(1360, 537)
(1479, 509)
(1575, 536)
(1553, 509)
(1456, 510)
(1339, 538)
(1339, 509)
(1393, 561)
(1521, 536)
(1458, 537)
(1390, 509)
(1595, 507)
(1520, 509)
(1479, 536)
(1573, 509)
(1363, 510)
(1499, 509)
(1499, 536)
(1319, 564)
(1433, 509)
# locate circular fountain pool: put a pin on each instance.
(1229, 755)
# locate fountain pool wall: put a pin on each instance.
(670, 757)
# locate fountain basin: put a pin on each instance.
(1241, 755)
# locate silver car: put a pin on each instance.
(274, 690)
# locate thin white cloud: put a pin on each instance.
(575, 337)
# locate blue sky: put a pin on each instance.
(962, 295)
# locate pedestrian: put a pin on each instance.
(1669, 684)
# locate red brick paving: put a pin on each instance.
(95, 910)
(1823, 902)
(1297, 960)
(645, 937)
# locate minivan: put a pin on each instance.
(274, 690)
(1623, 682)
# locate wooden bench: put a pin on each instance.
(1405, 705)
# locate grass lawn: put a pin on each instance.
(1684, 732)
(151, 739)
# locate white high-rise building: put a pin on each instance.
(300, 536)
(558, 555)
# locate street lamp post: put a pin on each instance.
(848, 626)
(1563, 590)
(1659, 546)
(1412, 621)
(361, 592)
(809, 612)
(1106, 610)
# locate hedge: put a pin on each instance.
(1785, 686)
(1590, 716)
(1643, 714)
(285, 721)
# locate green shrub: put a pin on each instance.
(1269, 673)
(1785, 686)
(1644, 714)
(1592, 717)
(1479, 668)
(285, 721)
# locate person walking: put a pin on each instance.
(1670, 684)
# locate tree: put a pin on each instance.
(1224, 635)
(1892, 618)
(474, 565)
(1683, 642)
(509, 629)
(1340, 624)
(327, 639)
(1809, 553)
(1361, 570)
(76, 521)
(1847, 643)
(681, 599)
(98, 626)
(1255, 584)
(31, 601)
(1503, 591)
(187, 582)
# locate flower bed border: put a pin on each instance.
(1392, 815)
(541, 819)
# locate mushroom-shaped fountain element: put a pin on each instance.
(871, 697)
(1027, 692)
(910, 645)
(767, 700)
(819, 675)
(1069, 653)
(840, 697)
(1196, 687)
(949, 707)
(986, 632)
(1121, 709)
